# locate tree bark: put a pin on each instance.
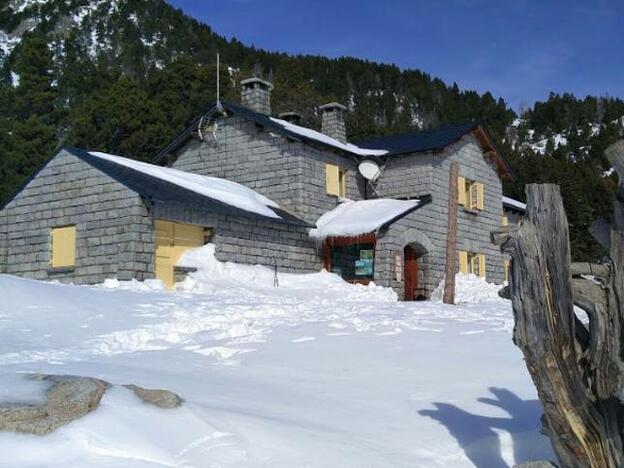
(577, 368)
(451, 237)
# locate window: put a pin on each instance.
(63, 247)
(470, 262)
(335, 180)
(505, 220)
(353, 258)
(470, 194)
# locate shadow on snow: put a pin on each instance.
(477, 434)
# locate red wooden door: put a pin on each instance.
(410, 273)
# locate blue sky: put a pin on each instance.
(518, 49)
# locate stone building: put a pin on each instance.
(265, 191)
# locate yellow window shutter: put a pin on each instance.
(482, 265)
(480, 196)
(505, 220)
(63, 247)
(461, 190)
(506, 265)
(332, 179)
(463, 262)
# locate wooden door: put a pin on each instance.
(172, 240)
(410, 273)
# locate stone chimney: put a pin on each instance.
(256, 95)
(292, 117)
(333, 122)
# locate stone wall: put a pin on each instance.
(293, 174)
(413, 175)
(113, 230)
(255, 242)
(289, 172)
(419, 230)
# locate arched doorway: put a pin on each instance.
(410, 273)
(416, 265)
(413, 273)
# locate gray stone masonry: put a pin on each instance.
(113, 230)
(255, 242)
(293, 174)
(289, 172)
(333, 122)
(414, 175)
(256, 95)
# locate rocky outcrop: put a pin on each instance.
(69, 398)
(160, 398)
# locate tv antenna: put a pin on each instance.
(219, 106)
(207, 123)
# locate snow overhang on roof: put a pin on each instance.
(356, 218)
(279, 126)
(514, 204)
(166, 184)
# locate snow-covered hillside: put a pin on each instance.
(96, 24)
(522, 137)
(33, 12)
(314, 372)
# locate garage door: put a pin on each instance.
(172, 240)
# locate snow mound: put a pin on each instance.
(133, 285)
(31, 392)
(470, 289)
(213, 276)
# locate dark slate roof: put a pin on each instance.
(260, 119)
(427, 140)
(161, 190)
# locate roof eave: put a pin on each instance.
(423, 200)
(504, 169)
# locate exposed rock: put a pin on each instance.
(504, 292)
(68, 398)
(160, 398)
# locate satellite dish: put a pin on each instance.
(370, 170)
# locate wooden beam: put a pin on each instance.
(451, 237)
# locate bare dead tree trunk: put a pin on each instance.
(578, 370)
(451, 237)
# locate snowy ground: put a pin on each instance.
(313, 373)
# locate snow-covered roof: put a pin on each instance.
(510, 202)
(354, 218)
(322, 138)
(225, 191)
(276, 125)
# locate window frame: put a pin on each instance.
(471, 194)
(472, 263)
